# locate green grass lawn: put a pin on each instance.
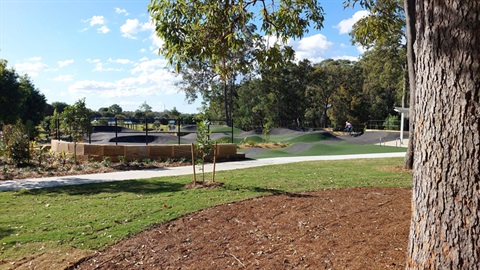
(342, 148)
(94, 216)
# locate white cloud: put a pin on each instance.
(312, 48)
(65, 63)
(93, 60)
(100, 20)
(99, 67)
(346, 57)
(361, 49)
(120, 61)
(97, 20)
(121, 11)
(149, 78)
(345, 26)
(63, 78)
(157, 42)
(315, 43)
(32, 67)
(150, 66)
(131, 27)
(103, 30)
(270, 41)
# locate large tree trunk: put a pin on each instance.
(445, 227)
(409, 6)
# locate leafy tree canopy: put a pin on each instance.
(19, 99)
(76, 120)
(59, 106)
(384, 26)
(115, 109)
(212, 31)
(10, 94)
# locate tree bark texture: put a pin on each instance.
(409, 6)
(445, 227)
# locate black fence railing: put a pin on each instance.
(387, 125)
(143, 130)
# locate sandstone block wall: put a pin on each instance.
(137, 152)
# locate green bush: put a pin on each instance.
(15, 144)
(392, 123)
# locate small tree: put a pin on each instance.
(266, 132)
(77, 121)
(203, 146)
(15, 143)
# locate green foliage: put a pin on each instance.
(15, 144)
(76, 121)
(115, 109)
(278, 97)
(143, 111)
(383, 27)
(122, 159)
(211, 31)
(106, 162)
(156, 125)
(324, 81)
(19, 99)
(33, 105)
(383, 31)
(46, 124)
(54, 122)
(214, 41)
(10, 94)
(59, 106)
(392, 122)
(266, 132)
(348, 102)
(383, 70)
(203, 144)
(325, 94)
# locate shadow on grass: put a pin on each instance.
(130, 186)
(5, 232)
(279, 192)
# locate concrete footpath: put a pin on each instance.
(173, 171)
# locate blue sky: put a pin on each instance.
(106, 50)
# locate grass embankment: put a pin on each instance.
(342, 148)
(316, 148)
(93, 216)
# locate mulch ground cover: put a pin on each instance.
(354, 228)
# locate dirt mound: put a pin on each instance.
(359, 228)
(256, 132)
(285, 131)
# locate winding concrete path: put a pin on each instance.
(34, 183)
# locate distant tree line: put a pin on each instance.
(325, 94)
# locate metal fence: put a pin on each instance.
(146, 127)
(386, 125)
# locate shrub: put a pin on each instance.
(15, 144)
(392, 123)
(106, 162)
